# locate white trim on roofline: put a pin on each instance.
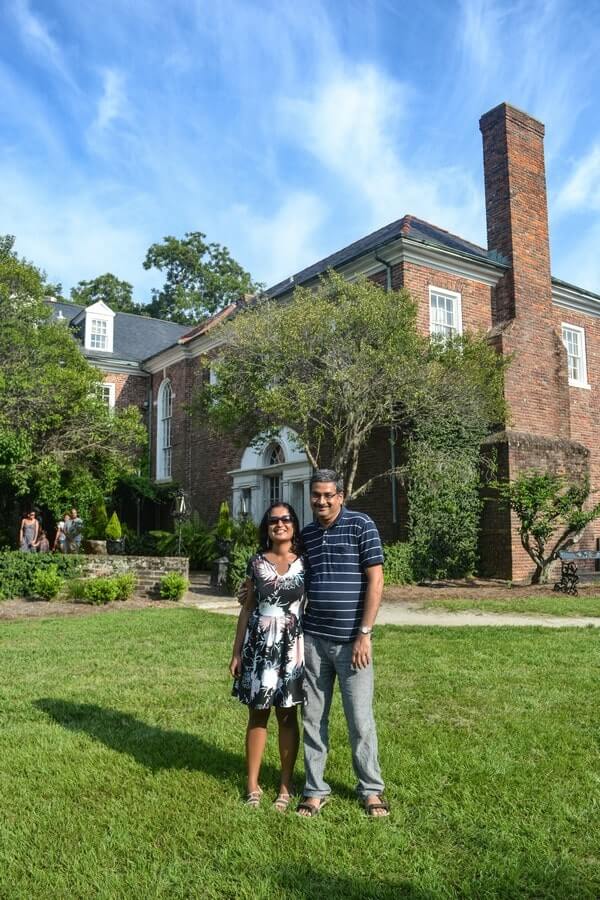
(571, 298)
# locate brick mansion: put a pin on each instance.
(550, 328)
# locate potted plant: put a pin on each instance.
(114, 536)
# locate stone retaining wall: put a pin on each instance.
(148, 570)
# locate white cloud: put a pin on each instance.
(530, 55)
(582, 189)
(357, 123)
(74, 233)
(112, 104)
(281, 243)
(36, 36)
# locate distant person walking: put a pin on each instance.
(73, 531)
(60, 538)
(28, 533)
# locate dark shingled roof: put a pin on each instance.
(135, 337)
(408, 227)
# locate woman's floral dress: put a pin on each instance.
(273, 648)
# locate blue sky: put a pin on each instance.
(282, 129)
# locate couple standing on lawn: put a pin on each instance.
(284, 656)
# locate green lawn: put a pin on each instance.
(122, 768)
(553, 605)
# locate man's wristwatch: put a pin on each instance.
(365, 630)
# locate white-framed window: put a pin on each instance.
(98, 334)
(164, 431)
(445, 314)
(573, 338)
(106, 393)
(274, 488)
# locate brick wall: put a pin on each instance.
(148, 570)
(130, 390)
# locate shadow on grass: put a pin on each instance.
(307, 883)
(154, 747)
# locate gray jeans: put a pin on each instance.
(324, 660)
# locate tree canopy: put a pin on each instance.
(111, 290)
(337, 363)
(58, 441)
(200, 278)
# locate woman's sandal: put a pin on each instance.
(282, 802)
(253, 799)
(309, 810)
(372, 809)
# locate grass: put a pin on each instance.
(553, 605)
(122, 768)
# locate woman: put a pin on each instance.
(28, 532)
(268, 652)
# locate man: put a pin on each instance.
(345, 584)
(74, 531)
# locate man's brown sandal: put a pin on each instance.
(309, 810)
(372, 809)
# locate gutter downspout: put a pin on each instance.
(392, 438)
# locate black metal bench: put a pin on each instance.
(569, 578)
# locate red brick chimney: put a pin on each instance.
(517, 227)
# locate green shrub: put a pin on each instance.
(225, 526)
(245, 545)
(125, 585)
(103, 590)
(444, 511)
(95, 529)
(173, 586)
(238, 563)
(100, 590)
(46, 583)
(197, 543)
(113, 531)
(17, 570)
(397, 563)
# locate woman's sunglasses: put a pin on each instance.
(275, 520)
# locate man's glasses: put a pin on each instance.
(315, 497)
(275, 520)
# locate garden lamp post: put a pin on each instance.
(179, 514)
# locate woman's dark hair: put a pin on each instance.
(263, 528)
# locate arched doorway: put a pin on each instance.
(270, 471)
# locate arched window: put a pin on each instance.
(274, 455)
(164, 431)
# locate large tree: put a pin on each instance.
(58, 441)
(337, 363)
(111, 290)
(200, 278)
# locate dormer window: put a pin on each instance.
(99, 327)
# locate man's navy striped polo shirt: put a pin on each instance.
(337, 558)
